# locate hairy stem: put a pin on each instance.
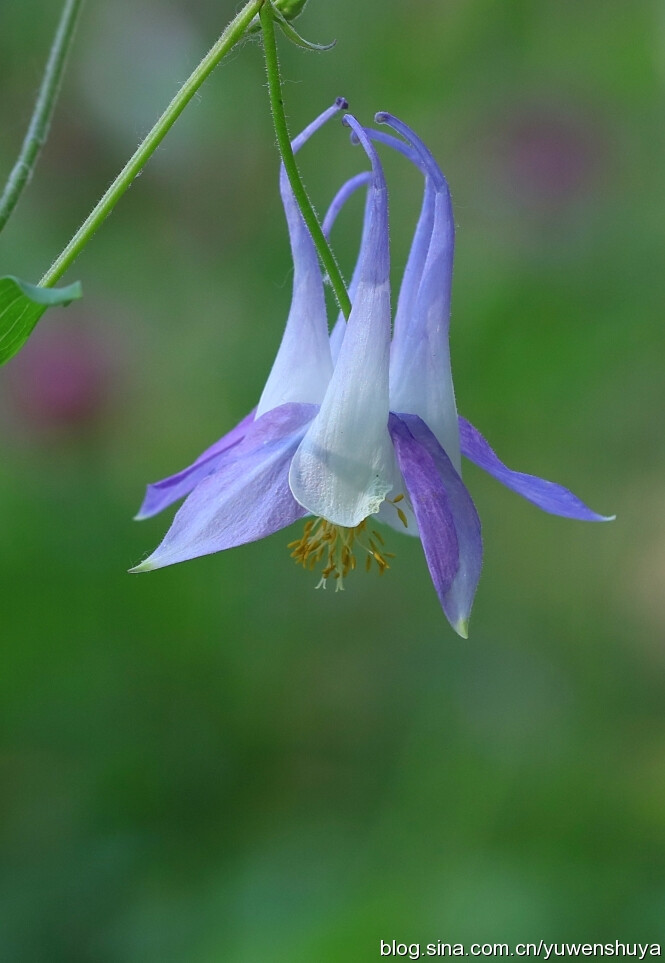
(284, 142)
(231, 35)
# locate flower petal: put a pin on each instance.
(420, 376)
(301, 371)
(419, 247)
(388, 515)
(247, 498)
(547, 495)
(338, 202)
(343, 468)
(394, 515)
(346, 191)
(336, 337)
(159, 495)
(444, 509)
(413, 273)
(411, 277)
(430, 503)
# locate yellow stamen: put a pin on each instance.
(400, 513)
(335, 546)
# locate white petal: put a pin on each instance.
(336, 338)
(343, 468)
(344, 193)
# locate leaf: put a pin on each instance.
(289, 31)
(284, 11)
(21, 307)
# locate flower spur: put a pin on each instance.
(360, 425)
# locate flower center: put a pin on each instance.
(335, 547)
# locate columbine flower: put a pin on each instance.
(357, 428)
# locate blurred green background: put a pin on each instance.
(215, 762)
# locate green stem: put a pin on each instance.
(284, 141)
(43, 110)
(232, 34)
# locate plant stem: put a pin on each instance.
(284, 141)
(231, 35)
(43, 110)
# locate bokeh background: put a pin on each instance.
(215, 762)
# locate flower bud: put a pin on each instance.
(290, 9)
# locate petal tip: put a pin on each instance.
(146, 566)
(591, 516)
(462, 628)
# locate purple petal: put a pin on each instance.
(340, 104)
(303, 365)
(346, 191)
(412, 276)
(420, 375)
(430, 505)
(419, 247)
(381, 137)
(247, 498)
(547, 495)
(159, 495)
(275, 424)
(447, 519)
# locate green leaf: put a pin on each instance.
(289, 31)
(285, 11)
(21, 307)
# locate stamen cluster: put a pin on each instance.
(335, 547)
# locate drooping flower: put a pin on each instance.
(361, 427)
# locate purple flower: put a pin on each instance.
(359, 427)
